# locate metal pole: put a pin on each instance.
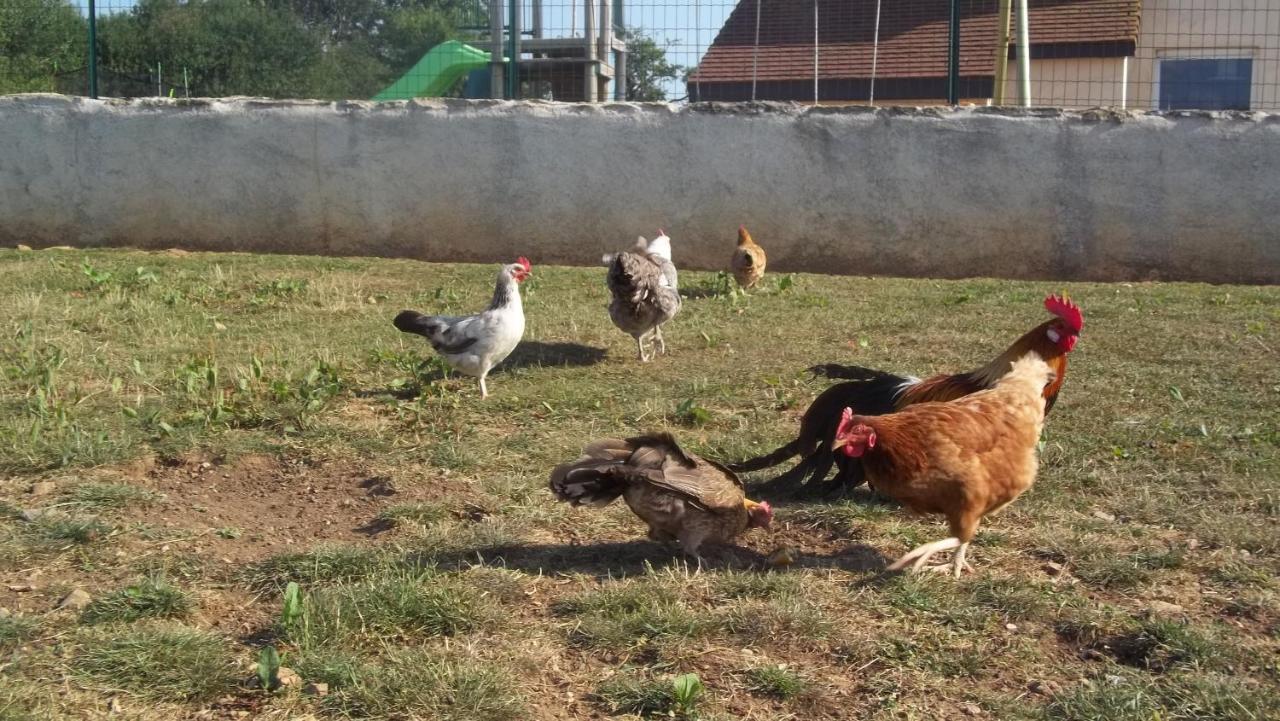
(875, 57)
(589, 37)
(1024, 56)
(815, 52)
(513, 62)
(93, 50)
(537, 18)
(496, 87)
(755, 52)
(953, 56)
(1124, 82)
(1002, 52)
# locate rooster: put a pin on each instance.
(872, 392)
(748, 260)
(474, 344)
(645, 293)
(962, 459)
(681, 496)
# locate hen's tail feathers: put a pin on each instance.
(768, 460)
(868, 391)
(411, 321)
(596, 478)
(836, 371)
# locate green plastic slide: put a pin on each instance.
(436, 72)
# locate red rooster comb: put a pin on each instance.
(1069, 312)
(846, 420)
(525, 262)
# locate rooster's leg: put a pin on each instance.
(484, 390)
(957, 564)
(660, 345)
(921, 555)
(640, 348)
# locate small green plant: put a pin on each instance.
(269, 668)
(690, 413)
(786, 282)
(230, 533)
(97, 278)
(687, 688)
(278, 289)
(291, 611)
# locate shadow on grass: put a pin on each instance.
(615, 559)
(535, 353)
(529, 354)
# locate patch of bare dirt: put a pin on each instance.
(260, 505)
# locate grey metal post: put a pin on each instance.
(1024, 56)
(496, 84)
(537, 18)
(604, 50)
(513, 63)
(93, 50)
(620, 77)
(589, 37)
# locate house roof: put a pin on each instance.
(912, 54)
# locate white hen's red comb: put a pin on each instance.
(524, 262)
(1069, 312)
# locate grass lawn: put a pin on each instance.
(183, 435)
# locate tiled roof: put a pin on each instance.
(913, 40)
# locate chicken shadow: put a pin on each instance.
(536, 353)
(711, 289)
(614, 559)
(530, 353)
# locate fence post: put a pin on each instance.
(513, 61)
(93, 50)
(953, 56)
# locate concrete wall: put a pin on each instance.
(937, 192)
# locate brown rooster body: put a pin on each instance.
(963, 459)
(748, 260)
(681, 496)
(873, 392)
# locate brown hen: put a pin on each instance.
(963, 459)
(681, 496)
(748, 260)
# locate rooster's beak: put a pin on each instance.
(839, 443)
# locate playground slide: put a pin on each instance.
(436, 72)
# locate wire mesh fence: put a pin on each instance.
(1167, 54)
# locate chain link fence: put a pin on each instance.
(1143, 54)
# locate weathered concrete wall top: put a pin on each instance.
(938, 192)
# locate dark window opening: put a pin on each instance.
(1218, 84)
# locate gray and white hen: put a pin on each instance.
(645, 292)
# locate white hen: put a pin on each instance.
(474, 344)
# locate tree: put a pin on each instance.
(647, 67)
(40, 40)
(224, 47)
